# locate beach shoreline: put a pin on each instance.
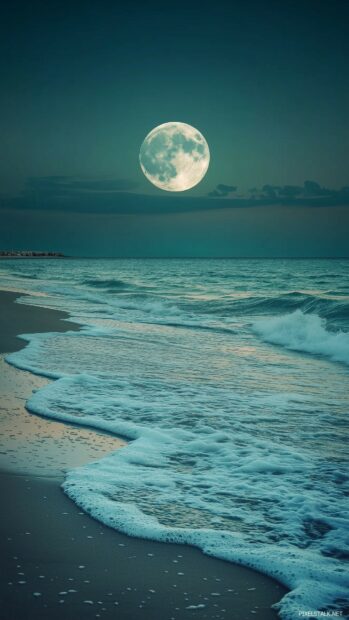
(79, 567)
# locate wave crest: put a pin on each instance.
(304, 332)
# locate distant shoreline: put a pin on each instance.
(48, 256)
(31, 254)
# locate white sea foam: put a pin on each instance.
(304, 332)
(236, 447)
(232, 492)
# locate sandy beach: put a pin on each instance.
(60, 563)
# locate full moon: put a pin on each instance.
(174, 156)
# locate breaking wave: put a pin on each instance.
(304, 332)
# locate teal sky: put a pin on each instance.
(265, 82)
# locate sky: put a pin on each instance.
(266, 83)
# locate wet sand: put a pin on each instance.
(58, 562)
(21, 319)
(34, 445)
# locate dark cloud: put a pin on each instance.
(117, 196)
(310, 193)
(59, 185)
(222, 190)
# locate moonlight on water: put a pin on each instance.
(174, 156)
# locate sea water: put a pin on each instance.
(230, 378)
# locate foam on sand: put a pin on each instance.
(197, 470)
(304, 332)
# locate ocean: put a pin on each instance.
(230, 378)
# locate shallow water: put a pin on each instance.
(231, 377)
